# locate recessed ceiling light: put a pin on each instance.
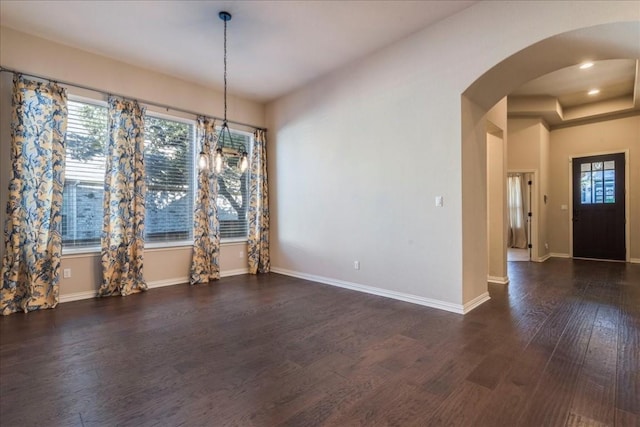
(586, 65)
(593, 92)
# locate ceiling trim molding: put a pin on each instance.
(590, 120)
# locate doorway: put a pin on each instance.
(555, 52)
(519, 216)
(598, 184)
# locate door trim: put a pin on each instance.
(535, 194)
(627, 229)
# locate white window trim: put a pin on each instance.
(72, 251)
(165, 245)
(88, 100)
(169, 117)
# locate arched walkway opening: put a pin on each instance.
(483, 112)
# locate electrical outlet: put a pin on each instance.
(66, 273)
(241, 254)
(546, 246)
(356, 265)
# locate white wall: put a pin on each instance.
(528, 150)
(607, 136)
(496, 208)
(34, 55)
(532, 147)
(544, 199)
(496, 195)
(357, 157)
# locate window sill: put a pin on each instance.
(234, 241)
(94, 251)
(168, 245)
(81, 252)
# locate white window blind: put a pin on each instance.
(169, 162)
(85, 144)
(233, 191)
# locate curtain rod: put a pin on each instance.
(142, 101)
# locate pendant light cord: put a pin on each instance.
(225, 71)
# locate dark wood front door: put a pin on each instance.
(599, 207)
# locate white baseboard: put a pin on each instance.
(499, 280)
(542, 258)
(414, 299)
(476, 302)
(236, 272)
(76, 296)
(167, 282)
(556, 255)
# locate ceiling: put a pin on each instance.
(571, 85)
(278, 46)
(274, 46)
(562, 97)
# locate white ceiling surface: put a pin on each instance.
(614, 78)
(562, 97)
(274, 46)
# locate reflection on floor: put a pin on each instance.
(516, 254)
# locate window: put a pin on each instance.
(598, 182)
(169, 169)
(83, 192)
(233, 191)
(169, 177)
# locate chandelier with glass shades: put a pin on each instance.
(222, 153)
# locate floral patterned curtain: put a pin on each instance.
(258, 241)
(206, 227)
(124, 190)
(31, 264)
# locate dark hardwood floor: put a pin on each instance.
(559, 346)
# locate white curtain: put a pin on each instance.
(516, 186)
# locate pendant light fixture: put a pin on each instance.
(219, 157)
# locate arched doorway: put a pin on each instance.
(608, 41)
